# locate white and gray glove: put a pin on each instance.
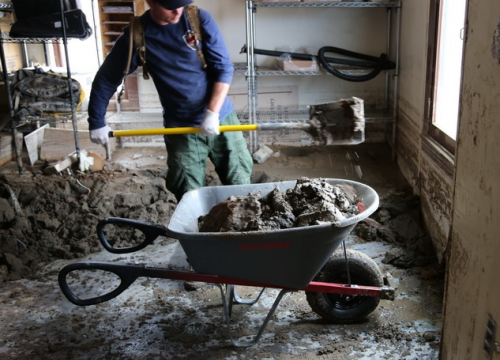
(85, 161)
(210, 124)
(101, 135)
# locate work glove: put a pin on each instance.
(100, 136)
(85, 162)
(210, 124)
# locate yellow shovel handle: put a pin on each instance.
(179, 130)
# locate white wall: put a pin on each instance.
(460, 210)
(472, 290)
(426, 166)
(414, 29)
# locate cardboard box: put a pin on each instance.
(6, 148)
(6, 23)
(13, 54)
(298, 65)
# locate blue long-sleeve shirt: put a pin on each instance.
(183, 86)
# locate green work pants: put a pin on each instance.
(187, 156)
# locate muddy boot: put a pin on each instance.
(193, 285)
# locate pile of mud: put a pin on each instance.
(46, 218)
(309, 202)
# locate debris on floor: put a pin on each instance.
(60, 213)
(50, 222)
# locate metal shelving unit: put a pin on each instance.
(5, 78)
(251, 71)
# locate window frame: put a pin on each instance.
(431, 77)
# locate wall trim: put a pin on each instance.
(444, 159)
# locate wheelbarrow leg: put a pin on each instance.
(242, 301)
(233, 298)
(227, 295)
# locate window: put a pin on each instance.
(446, 43)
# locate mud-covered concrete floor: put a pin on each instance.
(159, 319)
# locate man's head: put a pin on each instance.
(173, 4)
(166, 12)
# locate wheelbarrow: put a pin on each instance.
(341, 286)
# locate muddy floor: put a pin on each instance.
(49, 222)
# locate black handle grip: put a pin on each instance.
(127, 274)
(151, 232)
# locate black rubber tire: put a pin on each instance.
(346, 309)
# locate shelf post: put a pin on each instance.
(396, 80)
(251, 78)
(95, 34)
(388, 52)
(70, 81)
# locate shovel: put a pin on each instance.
(223, 128)
(327, 122)
(264, 152)
(261, 155)
(334, 123)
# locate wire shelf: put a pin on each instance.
(241, 69)
(337, 4)
(289, 114)
(294, 114)
(6, 8)
(8, 39)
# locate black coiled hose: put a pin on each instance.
(365, 61)
(371, 62)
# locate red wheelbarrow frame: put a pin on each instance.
(128, 273)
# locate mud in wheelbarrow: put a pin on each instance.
(287, 258)
(341, 286)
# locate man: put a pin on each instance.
(190, 94)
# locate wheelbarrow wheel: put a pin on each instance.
(346, 309)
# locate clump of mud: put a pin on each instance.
(46, 218)
(336, 121)
(309, 202)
